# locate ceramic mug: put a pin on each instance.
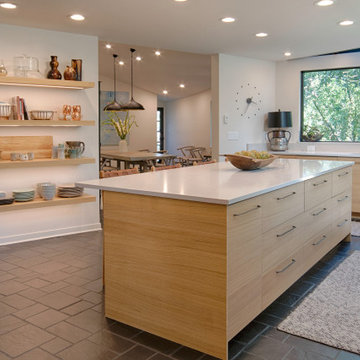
(14, 156)
(24, 157)
(73, 153)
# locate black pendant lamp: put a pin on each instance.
(132, 104)
(114, 105)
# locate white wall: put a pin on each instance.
(143, 136)
(50, 221)
(234, 71)
(188, 122)
(288, 75)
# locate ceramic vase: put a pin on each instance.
(123, 147)
(70, 73)
(54, 73)
(77, 65)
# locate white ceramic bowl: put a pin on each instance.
(41, 114)
(5, 111)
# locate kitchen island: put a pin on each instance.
(194, 254)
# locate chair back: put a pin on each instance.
(114, 173)
(177, 166)
(204, 162)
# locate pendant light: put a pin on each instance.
(132, 104)
(114, 105)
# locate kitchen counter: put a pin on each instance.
(317, 153)
(218, 183)
(194, 254)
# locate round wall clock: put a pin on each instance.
(248, 101)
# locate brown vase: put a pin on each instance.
(69, 73)
(54, 73)
(77, 65)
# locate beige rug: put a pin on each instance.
(355, 228)
(331, 313)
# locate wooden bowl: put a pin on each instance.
(247, 163)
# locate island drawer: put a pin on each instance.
(317, 190)
(342, 203)
(318, 246)
(342, 226)
(317, 218)
(282, 205)
(282, 276)
(244, 218)
(281, 241)
(342, 180)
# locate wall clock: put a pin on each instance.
(248, 101)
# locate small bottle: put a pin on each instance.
(3, 71)
(61, 151)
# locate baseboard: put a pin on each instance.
(49, 234)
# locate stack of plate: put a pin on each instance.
(69, 191)
(6, 201)
(24, 195)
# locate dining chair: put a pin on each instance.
(195, 163)
(114, 173)
(168, 167)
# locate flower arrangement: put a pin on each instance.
(121, 126)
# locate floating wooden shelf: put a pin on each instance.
(62, 84)
(39, 203)
(46, 123)
(7, 164)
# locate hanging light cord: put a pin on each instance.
(115, 56)
(132, 72)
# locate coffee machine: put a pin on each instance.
(279, 138)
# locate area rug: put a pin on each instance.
(355, 228)
(331, 313)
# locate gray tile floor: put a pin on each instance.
(51, 307)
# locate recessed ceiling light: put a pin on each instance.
(324, 2)
(157, 53)
(8, 5)
(77, 17)
(346, 23)
(121, 63)
(287, 53)
(138, 58)
(228, 19)
(165, 92)
(261, 34)
(108, 46)
(182, 85)
(180, 0)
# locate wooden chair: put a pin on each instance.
(188, 155)
(168, 167)
(114, 173)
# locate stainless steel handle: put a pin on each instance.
(344, 174)
(293, 261)
(320, 183)
(343, 223)
(344, 198)
(286, 196)
(319, 212)
(286, 232)
(320, 241)
(246, 212)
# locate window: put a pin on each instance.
(330, 105)
(160, 129)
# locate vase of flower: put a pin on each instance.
(123, 147)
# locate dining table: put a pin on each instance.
(131, 158)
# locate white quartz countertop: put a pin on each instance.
(218, 183)
(317, 153)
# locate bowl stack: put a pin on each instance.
(24, 195)
(5, 111)
(47, 190)
(69, 191)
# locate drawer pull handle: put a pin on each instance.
(320, 241)
(293, 261)
(344, 174)
(320, 183)
(286, 232)
(319, 212)
(286, 196)
(343, 223)
(246, 212)
(344, 198)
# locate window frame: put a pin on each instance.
(302, 72)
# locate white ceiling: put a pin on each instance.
(157, 73)
(194, 26)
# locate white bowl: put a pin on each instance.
(41, 114)
(5, 111)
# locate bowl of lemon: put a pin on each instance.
(250, 160)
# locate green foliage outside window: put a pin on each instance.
(331, 105)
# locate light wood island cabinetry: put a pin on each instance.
(197, 269)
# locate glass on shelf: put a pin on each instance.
(3, 71)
